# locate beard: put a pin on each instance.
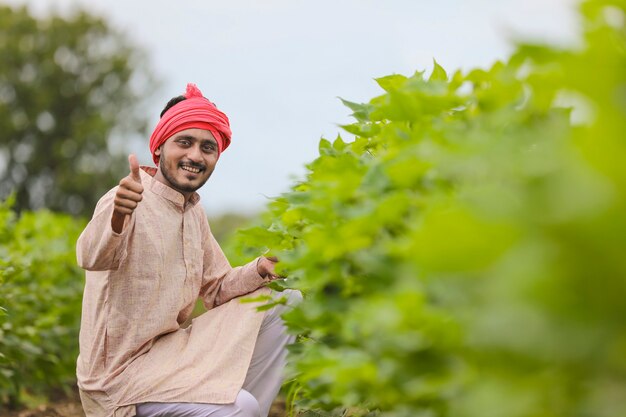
(174, 183)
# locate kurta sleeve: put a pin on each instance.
(220, 281)
(99, 248)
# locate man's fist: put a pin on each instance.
(265, 267)
(128, 195)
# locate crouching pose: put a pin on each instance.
(149, 255)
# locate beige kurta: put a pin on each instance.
(141, 285)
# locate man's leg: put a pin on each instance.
(245, 405)
(265, 374)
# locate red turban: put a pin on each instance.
(195, 111)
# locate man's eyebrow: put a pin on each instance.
(188, 137)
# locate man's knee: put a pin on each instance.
(248, 405)
(294, 297)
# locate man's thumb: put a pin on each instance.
(134, 167)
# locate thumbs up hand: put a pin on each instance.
(134, 168)
(128, 195)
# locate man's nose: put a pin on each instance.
(195, 153)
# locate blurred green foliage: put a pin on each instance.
(464, 255)
(225, 225)
(71, 90)
(40, 303)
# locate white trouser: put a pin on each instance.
(263, 380)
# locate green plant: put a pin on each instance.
(463, 256)
(40, 302)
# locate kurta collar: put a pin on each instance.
(164, 191)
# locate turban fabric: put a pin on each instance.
(195, 111)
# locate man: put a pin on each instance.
(149, 254)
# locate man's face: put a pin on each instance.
(187, 160)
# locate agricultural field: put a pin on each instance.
(462, 256)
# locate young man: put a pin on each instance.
(149, 254)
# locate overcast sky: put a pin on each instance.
(276, 67)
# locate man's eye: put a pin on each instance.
(183, 142)
(208, 148)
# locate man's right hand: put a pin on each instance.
(128, 195)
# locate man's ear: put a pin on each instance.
(157, 151)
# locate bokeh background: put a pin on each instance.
(277, 67)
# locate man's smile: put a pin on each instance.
(191, 168)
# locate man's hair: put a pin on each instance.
(171, 103)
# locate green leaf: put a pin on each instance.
(339, 144)
(324, 146)
(269, 306)
(366, 130)
(391, 82)
(276, 285)
(438, 74)
(258, 299)
(360, 111)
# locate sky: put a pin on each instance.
(278, 67)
